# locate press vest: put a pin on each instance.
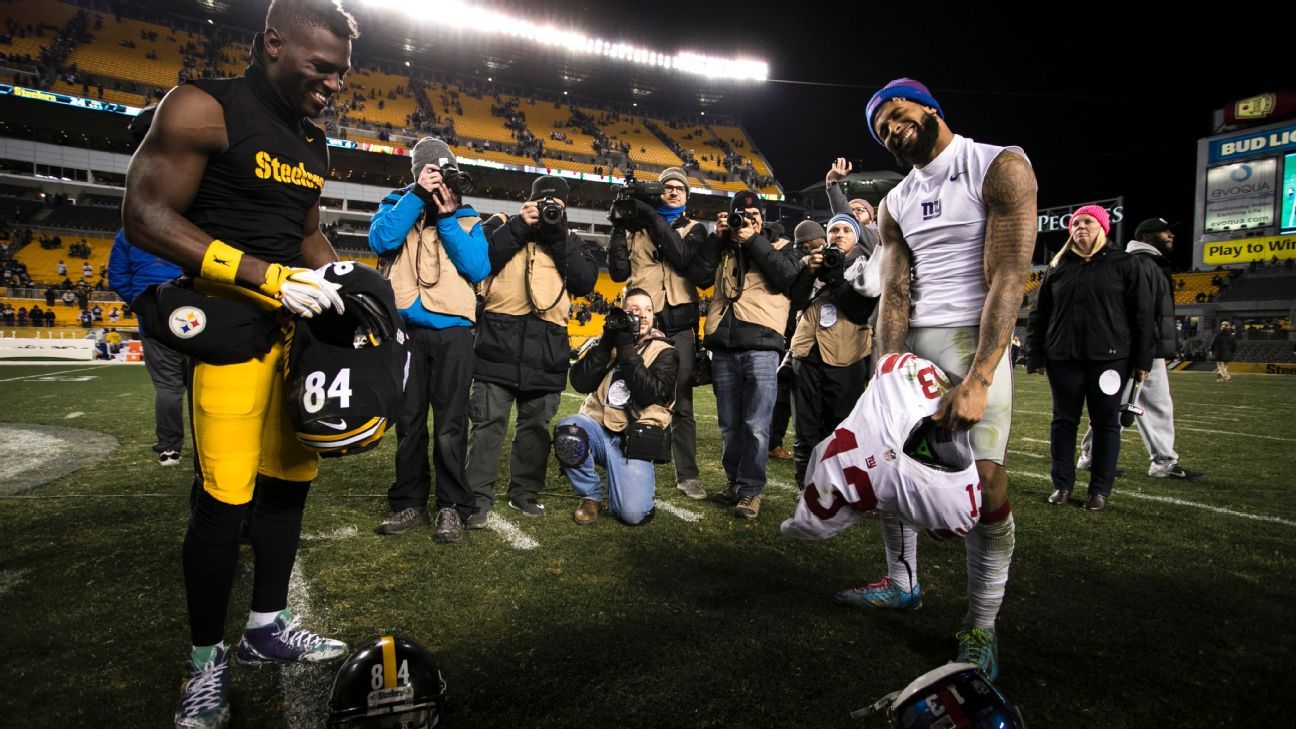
(423, 270)
(756, 302)
(529, 284)
(942, 216)
(652, 273)
(616, 419)
(842, 342)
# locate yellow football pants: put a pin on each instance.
(241, 427)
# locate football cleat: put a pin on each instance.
(980, 647)
(204, 697)
(283, 641)
(881, 595)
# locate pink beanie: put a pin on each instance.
(867, 206)
(1099, 213)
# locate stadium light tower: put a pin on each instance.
(463, 16)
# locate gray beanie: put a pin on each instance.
(807, 230)
(430, 151)
(676, 174)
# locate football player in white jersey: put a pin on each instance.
(957, 237)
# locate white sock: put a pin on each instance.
(901, 543)
(257, 620)
(989, 553)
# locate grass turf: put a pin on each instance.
(1152, 613)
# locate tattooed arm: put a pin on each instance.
(1009, 193)
(897, 261)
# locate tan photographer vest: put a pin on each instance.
(507, 291)
(759, 303)
(651, 272)
(423, 270)
(616, 419)
(842, 343)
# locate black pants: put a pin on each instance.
(440, 375)
(1075, 383)
(824, 395)
(782, 412)
(683, 425)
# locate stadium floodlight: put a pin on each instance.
(463, 16)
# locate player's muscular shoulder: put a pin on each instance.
(1009, 182)
(190, 118)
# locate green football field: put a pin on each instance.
(1172, 608)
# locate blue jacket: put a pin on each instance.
(389, 226)
(131, 270)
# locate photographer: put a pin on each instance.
(831, 344)
(537, 264)
(744, 331)
(651, 250)
(624, 424)
(434, 251)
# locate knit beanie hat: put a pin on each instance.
(807, 230)
(848, 219)
(430, 151)
(867, 206)
(549, 186)
(1099, 213)
(676, 174)
(901, 88)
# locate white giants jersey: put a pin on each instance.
(862, 466)
(942, 217)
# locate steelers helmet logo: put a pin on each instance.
(187, 322)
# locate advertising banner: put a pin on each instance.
(1240, 196)
(1227, 252)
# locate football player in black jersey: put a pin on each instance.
(226, 185)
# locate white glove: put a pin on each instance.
(865, 274)
(303, 291)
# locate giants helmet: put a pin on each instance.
(346, 372)
(954, 696)
(391, 684)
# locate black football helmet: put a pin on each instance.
(954, 696)
(346, 371)
(931, 444)
(392, 684)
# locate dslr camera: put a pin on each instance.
(620, 320)
(833, 257)
(458, 181)
(551, 213)
(623, 209)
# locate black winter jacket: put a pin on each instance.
(779, 267)
(1157, 269)
(677, 251)
(653, 385)
(851, 303)
(1100, 309)
(528, 353)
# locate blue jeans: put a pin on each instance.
(746, 387)
(631, 483)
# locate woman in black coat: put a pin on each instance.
(1091, 328)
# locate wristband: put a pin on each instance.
(220, 263)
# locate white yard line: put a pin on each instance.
(782, 485)
(1180, 502)
(573, 395)
(515, 537)
(1213, 405)
(73, 414)
(47, 374)
(81, 496)
(1244, 435)
(10, 579)
(675, 511)
(1037, 440)
(305, 686)
(1027, 454)
(339, 533)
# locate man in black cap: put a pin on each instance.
(1153, 241)
(537, 264)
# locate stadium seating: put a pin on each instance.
(1260, 286)
(109, 95)
(84, 217)
(70, 316)
(42, 263)
(1194, 283)
(106, 56)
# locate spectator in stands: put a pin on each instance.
(49, 317)
(37, 316)
(22, 316)
(1222, 349)
(7, 312)
(87, 320)
(114, 316)
(522, 347)
(50, 294)
(86, 270)
(651, 250)
(437, 253)
(1089, 356)
(830, 347)
(1153, 242)
(630, 379)
(61, 267)
(97, 312)
(744, 332)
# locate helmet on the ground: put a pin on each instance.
(391, 684)
(954, 696)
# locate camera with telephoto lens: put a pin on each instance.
(620, 320)
(833, 257)
(623, 208)
(551, 213)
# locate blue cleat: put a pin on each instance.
(284, 642)
(881, 595)
(980, 647)
(204, 697)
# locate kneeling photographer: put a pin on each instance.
(624, 424)
(831, 344)
(652, 243)
(537, 265)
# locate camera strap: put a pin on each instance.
(531, 256)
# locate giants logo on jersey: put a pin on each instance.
(931, 210)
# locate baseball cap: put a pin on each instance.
(1152, 225)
